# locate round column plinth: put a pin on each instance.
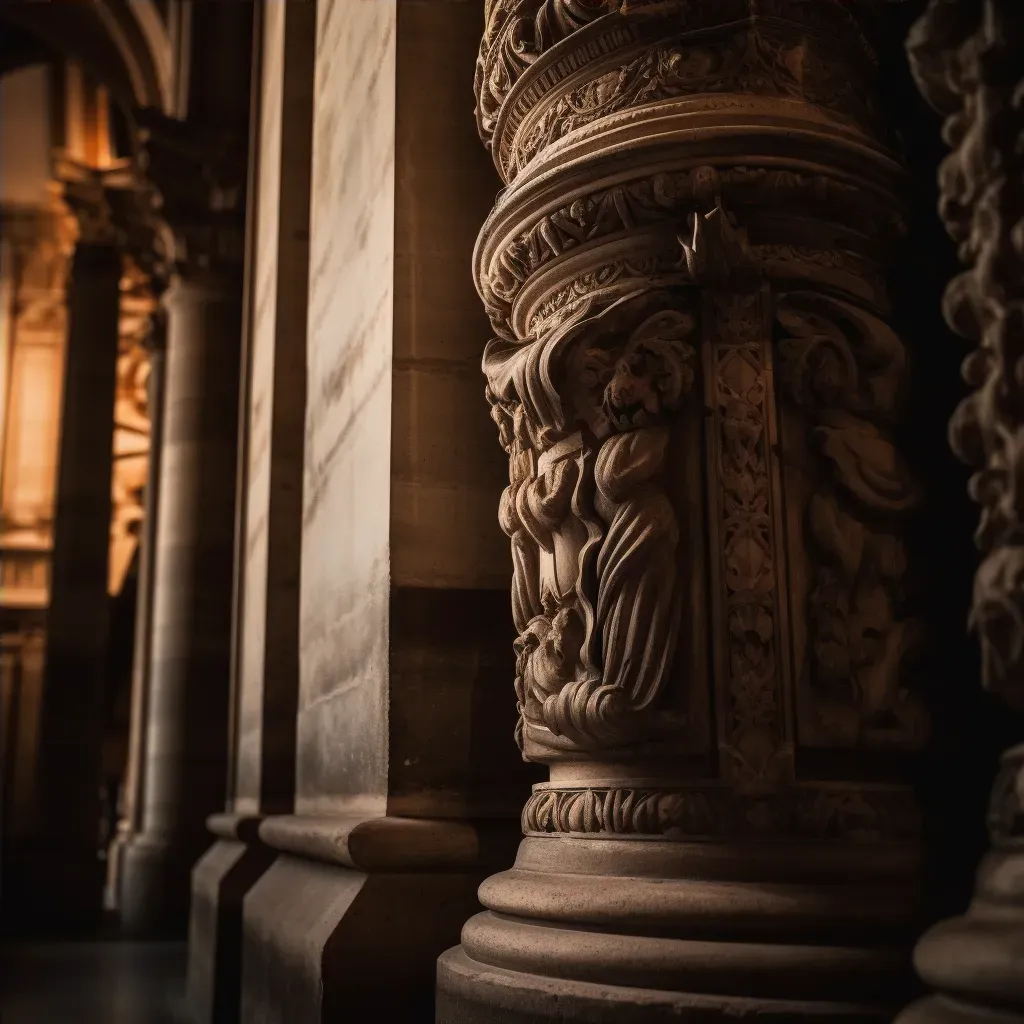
(656, 930)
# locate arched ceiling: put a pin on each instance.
(125, 44)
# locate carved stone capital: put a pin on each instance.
(90, 193)
(193, 182)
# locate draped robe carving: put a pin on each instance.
(593, 534)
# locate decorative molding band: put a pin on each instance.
(868, 814)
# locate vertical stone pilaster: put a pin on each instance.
(65, 874)
(697, 388)
(967, 59)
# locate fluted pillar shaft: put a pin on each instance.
(186, 710)
(697, 388)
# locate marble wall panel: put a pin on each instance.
(345, 549)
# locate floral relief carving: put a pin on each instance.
(676, 199)
(753, 732)
(595, 593)
(844, 369)
(873, 814)
(516, 33)
(757, 60)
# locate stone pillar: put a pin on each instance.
(968, 59)
(194, 189)
(131, 822)
(66, 875)
(697, 389)
(186, 710)
(405, 797)
(198, 187)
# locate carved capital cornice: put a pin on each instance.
(193, 181)
(90, 194)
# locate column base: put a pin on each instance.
(155, 885)
(349, 922)
(473, 993)
(976, 962)
(618, 930)
(220, 881)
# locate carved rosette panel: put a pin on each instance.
(698, 193)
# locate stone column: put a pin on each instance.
(131, 822)
(405, 798)
(186, 709)
(66, 886)
(968, 59)
(697, 388)
(198, 187)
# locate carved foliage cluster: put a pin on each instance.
(760, 58)
(966, 57)
(842, 370)
(672, 199)
(650, 50)
(516, 33)
(583, 414)
(869, 814)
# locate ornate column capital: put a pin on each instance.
(193, 180)
(90, 194)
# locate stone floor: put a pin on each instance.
(92, 983)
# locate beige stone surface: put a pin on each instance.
(347, 489)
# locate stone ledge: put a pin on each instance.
(243, 828)
(376, 844)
